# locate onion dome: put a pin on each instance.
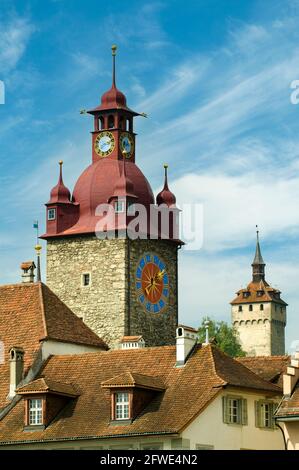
(166, 196)
(60, 193)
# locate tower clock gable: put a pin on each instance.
(119, 286)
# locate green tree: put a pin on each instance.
(226, 336)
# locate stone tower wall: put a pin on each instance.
(109, 305)
(261, 332)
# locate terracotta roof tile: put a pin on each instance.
(127, 339)
(270, 368)
(269, 294)
(133, 379)
(205, 373)
(290, 405)
(29, 313)
(43, 385)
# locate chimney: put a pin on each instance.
(28, 268)
(186, 339)
(16, 360)
(290, 378)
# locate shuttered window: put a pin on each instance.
(264, 411)
(234, 410)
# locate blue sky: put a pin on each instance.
(214, 78)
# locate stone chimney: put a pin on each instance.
(292, 376)
(16, 361)
(186, 339)
(28, 268)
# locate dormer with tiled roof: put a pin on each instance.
(259, 313)
(39, 324)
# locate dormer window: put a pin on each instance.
(246, 294)
(122, 405)
(260, 293)
(35, 412)
(51, 214)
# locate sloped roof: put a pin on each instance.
(206, 372)
(290, 405)
(132, 379)
(30, 313)
(270, 368)
(43, 385)
(253, 288)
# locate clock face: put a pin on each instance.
(152, 283)
(126, 144)
(104, 144)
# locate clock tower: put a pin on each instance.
(112, 249)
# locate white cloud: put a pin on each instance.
(14, 37)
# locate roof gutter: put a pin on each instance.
(86, 438)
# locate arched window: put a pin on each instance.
(127, 124)
(122, 123)
(101, 123)
(250, 308)
(240, 308)
(262, 307)
(110, 122)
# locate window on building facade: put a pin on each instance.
(250, 308)
(122, 405)
(35, 412)
(119, 206)
(51, 214)
(86, 279)
(234, 410)
(264, 411)
(240, 308)
(262, 307)
(260, 293)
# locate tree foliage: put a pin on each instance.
(226, 336)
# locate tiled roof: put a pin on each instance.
(127, 339)
(206, 372)
(253, 288)
(270, 368)
(132, 379)
(29, 313)
(43, 385)
(290, 405)
(27, 264)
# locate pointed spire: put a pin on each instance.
(60, 193)
(166, 196)
(258, 264)
(114, 49)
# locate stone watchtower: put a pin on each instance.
(121, 283)
(259, 313)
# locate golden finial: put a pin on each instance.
(60, 162)
(38, 249)
(114, 49)
(165, 166)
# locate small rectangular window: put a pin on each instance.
(86, 279)
(122, 405)
(51, 214)
(119, 207)
(35, 410)
(250, 308)
(240, 308)
(262, 307)
(234, 410)
(264, 411)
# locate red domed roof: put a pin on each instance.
(60, 193)
(166, 196)
(97, 185)
(113, 98)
